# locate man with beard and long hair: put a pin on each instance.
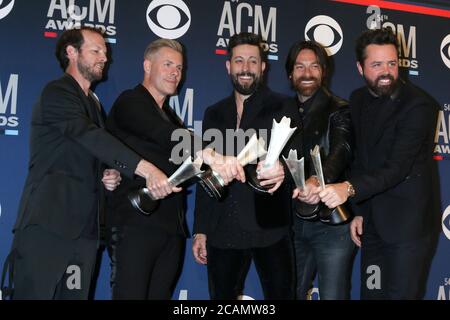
(390, 185)
(56, 235)
(319, 247)
(246, 225)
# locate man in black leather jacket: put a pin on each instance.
(323, 248)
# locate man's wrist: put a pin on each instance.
(198, 235)
(350, 189)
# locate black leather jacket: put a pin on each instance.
(327, 123)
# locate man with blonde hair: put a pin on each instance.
(147, 250)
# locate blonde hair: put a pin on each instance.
(156, 45)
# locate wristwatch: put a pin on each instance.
(350, 189)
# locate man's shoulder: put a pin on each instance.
(63, 81)
(221, 105)
(62, 86)
(273, 97)
(339, 101)
(412, 92)
(358, 93)
(131, 97)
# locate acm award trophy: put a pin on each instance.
(280, 134)
(213, 183)
(297, 169)
(142, 199)
(334, 216)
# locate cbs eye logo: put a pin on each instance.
(326, 31)
(445, 222)
(168, 19)
(5, 10)
(445, 50)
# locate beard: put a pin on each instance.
(306, 91)
(245, 89)
(382, 90)
(90, 73)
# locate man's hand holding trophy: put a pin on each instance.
(309, 191)
(214, 171)
(268, 175)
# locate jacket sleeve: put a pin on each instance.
(412, 131)
(62, 109)
(340, 140)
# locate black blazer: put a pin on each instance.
(255, 212)
(67, 147)
(137, 121)
(392, 169)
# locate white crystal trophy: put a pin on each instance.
(280, 134)
(334, 216)
(213, 183)
(296, 168)
(143, 200)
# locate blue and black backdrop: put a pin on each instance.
(28, 32)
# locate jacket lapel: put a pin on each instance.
(96, 112)
(318, 107)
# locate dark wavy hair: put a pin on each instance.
(315, 47)
(250, 39)
(377, 36)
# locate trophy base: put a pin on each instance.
(306, 211)
(141, 200)
(336, 216)
(212, 183)
(253, 181)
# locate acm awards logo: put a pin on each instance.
(68, 14)
(239, 17)
(445, 50)
(184, 110)
(9, 121)
(326, 31)
(442, 135)
(169, 19)
(5, 9)
(406, 37)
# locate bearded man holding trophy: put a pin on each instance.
(252, 220)
(321, 236)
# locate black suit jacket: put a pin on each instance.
(254, 212)
(137, 121)
(67, 147)
(392, 169)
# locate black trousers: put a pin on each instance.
(47, 266)
(393, 271)
(145, 263)
(227, 270)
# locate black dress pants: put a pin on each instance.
(227, 270)
(145, 263)
(393, 271)
(47, 266)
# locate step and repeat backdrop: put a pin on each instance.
(28, 33)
